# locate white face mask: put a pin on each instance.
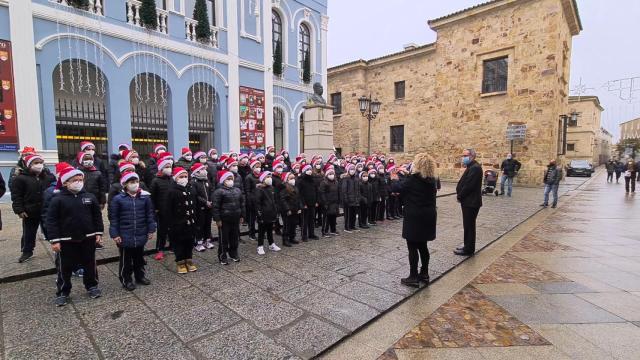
(203, 160)
(278, 170)
(135, 161)
(373, 176)
(161, 151)
(365, 179)
(380, 172)
(352, 172)
(75, 186)
(308, 172)
(133, 187)
(331, 176)
(272, 153)
(166, 171)
(182, 181)
(268, 181)
(90, 152)
(257, 171)
(87, 163)
(234, 169)
(200, 174)
(318, 167)
(292, 182)
(188, 157)
(214, 156)
(228, 183)
(37, 168)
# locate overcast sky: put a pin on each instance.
(607, 49)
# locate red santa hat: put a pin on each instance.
(198, 155)
(29, 159)
(242, 156)
(230, 162)
(379, 166)
(255, 163)
(277, 164)
(301, 157)
(316, 162)
(331, 158)
(158, 147)
(223, 159)
(270, 149)
(305, 168)
(329, 171)
(80, 156)
(372, 171)
(350, 167)
(224, 175)
(125, 166)
(283, 151)
(177, 171)
(279, 158)
(128, 176)
(232, 152)
(295, 166)
(68, 173)
(164, 161)
(211, 152)
(125, 146)
(186, 151)
(327, 167)
(28, 150)
(363, 174)
(197, 166)
(260, 156)
(61, 166)
(390, 167)
(85, 144)
(285, 175)
(264, 175)
(128, 154)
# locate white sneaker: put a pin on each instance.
(208, 244)
(200, 247)
(274, 247)
(260, 250)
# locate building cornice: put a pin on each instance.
(383, 60)
(579, 99)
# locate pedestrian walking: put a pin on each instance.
(420, 216)
(329, 199)
(552, 178)
(619, 169)
(182, 220)
(132, 224)
(630, 173)
(290, 206)
(228, 212)
(469, 195)
(267, 211)
(74, 227)
(509, 168)
(611, 167)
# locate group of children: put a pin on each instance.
(179, 199)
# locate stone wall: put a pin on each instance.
(444, 111)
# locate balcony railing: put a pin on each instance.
(133, 16)
(95, 6)
(190, 30)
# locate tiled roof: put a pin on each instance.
(367, 62)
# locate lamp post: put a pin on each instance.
(370, 110)
(565, 121)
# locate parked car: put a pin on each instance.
(579, 168)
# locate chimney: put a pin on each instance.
(410, 46)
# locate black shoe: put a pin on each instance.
(224, 262)
(411, 281)
(462, 252)
(287, 244)
(314, 237)
(460, 248)
(544, 205)
(294, 242)
(364, 226)
(61, 300)
(305, 240)
(129, 286)
(26, 256)
(234, 259)
(423, 276)
(553, 206)
(143, 281)
(390, 218)
(94, 292)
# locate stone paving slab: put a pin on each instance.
(258, 308)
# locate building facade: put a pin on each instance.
(99, 74)
(586, 138)
(501, 63)
(630, 129)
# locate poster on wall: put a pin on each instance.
(252, 134)
(8, 116)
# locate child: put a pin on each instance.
(350, 197)
(330, 202)
(132, 223)
(383, 186)
(250, 182)
(204, 193)
(266, 210)
(290, 207)
(159, 191)
(366, 198)
(94, 181)
(376, 196)
(181, 212)
(74, 228)
(228, 213)
(393, 191)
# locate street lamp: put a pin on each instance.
(370, 110)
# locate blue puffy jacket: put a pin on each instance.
(132, 218)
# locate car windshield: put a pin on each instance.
(579, 164)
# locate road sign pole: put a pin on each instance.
(511, 147)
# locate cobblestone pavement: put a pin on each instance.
(291, 304)
(566, 287)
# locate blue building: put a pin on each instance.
(99, 74)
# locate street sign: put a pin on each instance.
(516, 132)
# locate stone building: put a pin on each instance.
(496, 64)
(586, 138)
(630, 129)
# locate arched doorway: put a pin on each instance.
(79, 95)
(202, 102)
(301, 133)
(150, 102)
(278, 128)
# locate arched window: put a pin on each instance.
(276, 30)
(304, 43)
(278, 128)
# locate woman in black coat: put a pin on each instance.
(418, 195)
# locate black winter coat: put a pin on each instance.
(265, 203)
(250, 183)
(73, 217)
(329, 196)
(181, 209)
(375, 188)
(203, 192)
(510, 167)
(228, 203)
(95, 183)
(308, 190)
(146, 176)
(159, 194)
(420, 215)
(289, 200)
(350, 190)
(27, 192)
(185, 164)
(469, 188)
(3, 189)
(384, 184)
(366, 193)
(212, 172)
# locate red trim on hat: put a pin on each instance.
(178, 171)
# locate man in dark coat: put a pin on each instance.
(552, 178)
(509, 168)
(309, 195)
(469, 195)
